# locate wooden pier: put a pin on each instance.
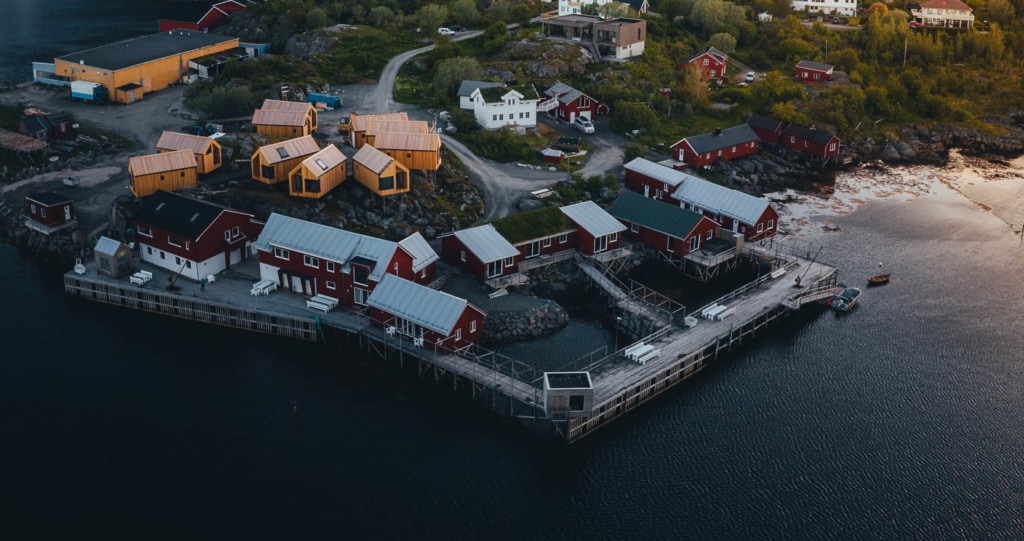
(512, 388)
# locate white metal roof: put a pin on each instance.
(593, 219)
(421, 252)
(719, 199)
(486, 243)
(656, 171)
(326, 242)
(435, 310)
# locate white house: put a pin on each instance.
(945, 13)
(575, 7)
(846, 8)
(466, 89)
(498, 107)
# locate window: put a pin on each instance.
(458, 334)
(494, 117)
(173, 241)
(546, 243)
(527, 114)
(310, 261)
(472, 326)
(711, 234)
(281, 253)
(563, 238)
(177, 260)
(733, 149)
(613, 237)
(760, 228)
(145, 231)
(792, 139)
(33, 207)
(832, 146)
(188, 264)
(634, 228)
(360, 275)
(42, 212)
(182, 174)
(423, 273)
(509, 261)
(227, 236)
(149, 250)
(462, 256)
(330, 284)
(576, 402)
(712, 74)
(267, 172)
(501, 116)
(705, 61)
(771, 224)
(330, 267)
(396, 267)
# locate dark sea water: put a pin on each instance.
(902, 420)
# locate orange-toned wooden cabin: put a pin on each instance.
(170, 171)
(207, 151)
(381, 173)
(354, 127)
(279, 118)
(272, 163)
(318, 174)
(416, 151)
(393, 126)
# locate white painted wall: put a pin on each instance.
(846, 8)
(492, 116)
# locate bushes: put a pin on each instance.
(503, 145)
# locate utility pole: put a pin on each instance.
(905, 41)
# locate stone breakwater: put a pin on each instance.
(504, 327)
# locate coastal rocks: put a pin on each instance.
(505, 327)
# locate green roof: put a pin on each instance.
(534, 224)
(653, 214)
(494, 94)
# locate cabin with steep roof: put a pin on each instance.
(482, 252)
(353, 128)
(736, 211)
(49, 212)
(429, 317)
(707, 148)
(415, 151)
(277, 118)
(663, 227)
(318, 174)
(207, 151)
(169, 171)
(380, 173)
(272, 163)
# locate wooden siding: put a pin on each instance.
(462, 327)
(355, 129)
(266, 157)
(209, 156)
(415, 151)
(662, 242)
(54, 214)
(171, 172)
(308, 179)
(655, 189)
(396, 172)
(685, 153)
(452, 250)
(572, 240)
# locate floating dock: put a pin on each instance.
(616, 383)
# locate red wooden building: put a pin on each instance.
(568, 103)
(813, 72)
(49, 212)
(193, 237)
(199, 16)
(538, 232)
(734, 210)
(652, 179)
(820, 144)
(597, 230)
(314, 259)
(767, 128)
(431, 318)
(711, 61)
(482, 252)
(661, 226)
(705, 149)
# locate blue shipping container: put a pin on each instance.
(329, 100)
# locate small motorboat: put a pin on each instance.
(845, 301)
(70, 181)
(879, 279)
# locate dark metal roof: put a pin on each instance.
(177, 213)
(763, 122)
(813, 135)
(709, 50)
(568, 380)
(653, 214)
(185, 11)
(816, 66)
(49, 199)
(719, 139)
(467, 87)
(131, 52)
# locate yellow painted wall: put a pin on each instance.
(169, 181)
(371, 180)
(328, 181)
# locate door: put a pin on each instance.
(647, 191)
(67, 213)
(694, 243)
(494, 269)
(131, 96)
(600, 244)
(360, 296)
(533, 249)
(735, 226)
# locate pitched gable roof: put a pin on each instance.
(467, 87)
(159, 163)
(170, 140)
(268, 117)
(766, 123)
(721, 200)
(426, 307)
(814, 135)
(497, 94)
(656, 171)
(815, 66)
(179, 214)
(430, 142)
(362, 122)
(593, 219)
(653, 214)
(717, 140)
(710, 51)
(397, 126)
(282, 105)
(327, 159)
(955, 5)
(421, 252)
(291, 148)
(486, 243)
(372, 159)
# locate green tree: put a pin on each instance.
(633, 116)
(633, 151)
(495, 37)
(723, 42)
(464, 12)
(1001, 12)
(315, 19)
(714, 16)
(452, 71)
(380, 16)
(432, 17)
(696, 84)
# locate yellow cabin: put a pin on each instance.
(393, 126)
(131, 68)
(207, 151)
(170, 171)
(279, 118)
(379, 172)
(318, 174)
(272, 163)
(354, 127)
(416, 151)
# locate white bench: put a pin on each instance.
(708, 309)
(640, 352)
(712, 314)
(263, 287)
(141, 278)
(725, 313)
(778, 272)
(652, 354)
(322, 303)
(632, 349)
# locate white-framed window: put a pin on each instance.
(330, 284)
(494, 117)
(145, 231)
(281, 253)
(527, 114)
(831, 146)
(563, 238)
(472, 326)
(396, 267)
(173, 241)
(546, 243)
(792, 139)
(33, 207)
(330, 267)
(458, 334)
(711, 234)
(733, 149)
(705, 61)
(462, 256)
(227, 235)
(423, 273)
(634, 228)
(771, 224)
(149, 250)
(509, 261)
(310, 261)
(613, 237)
(760, 228)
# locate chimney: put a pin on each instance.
(718, 131)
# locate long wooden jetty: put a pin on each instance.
(683, 345)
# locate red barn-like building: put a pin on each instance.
(198, 16)
(813, 72)
(482, 252)
(712, 62)
(820, 144)
(597, 230)
(314, 259)
(705, 149)
(193, 237)
(539, 232)
(49, 212)
(432, 319)
(568, 103)
(661, 226)
(767, 128)
(734, 210)
(653, 180)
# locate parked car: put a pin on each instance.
(750, 77)
(445, 31)
(835, 20)
(456, 28)
(583, 125)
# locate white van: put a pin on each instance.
(445, 31)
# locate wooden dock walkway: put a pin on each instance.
(621, 298)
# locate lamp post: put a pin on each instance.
(618, 321)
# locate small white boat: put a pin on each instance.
(846, 301)
(70, 181)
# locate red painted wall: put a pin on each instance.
(451, 248)
(381, 318)
(54, 214)
(660, 241)
(582, 104)
(587, 242)
(713, 64)
(769, 136)
(802, 145)
(211, 242)
(750, 230)
(685, 153)
(166, 25)
(636, 181)
(805, 75)
(571, 241)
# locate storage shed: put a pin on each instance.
(49, 212)
(170, 171)
(113, 258)
(206, 150)
(272, 163)
(380, 173)
(318, 174)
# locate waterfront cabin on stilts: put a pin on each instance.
(430, 318)
(272, 163)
